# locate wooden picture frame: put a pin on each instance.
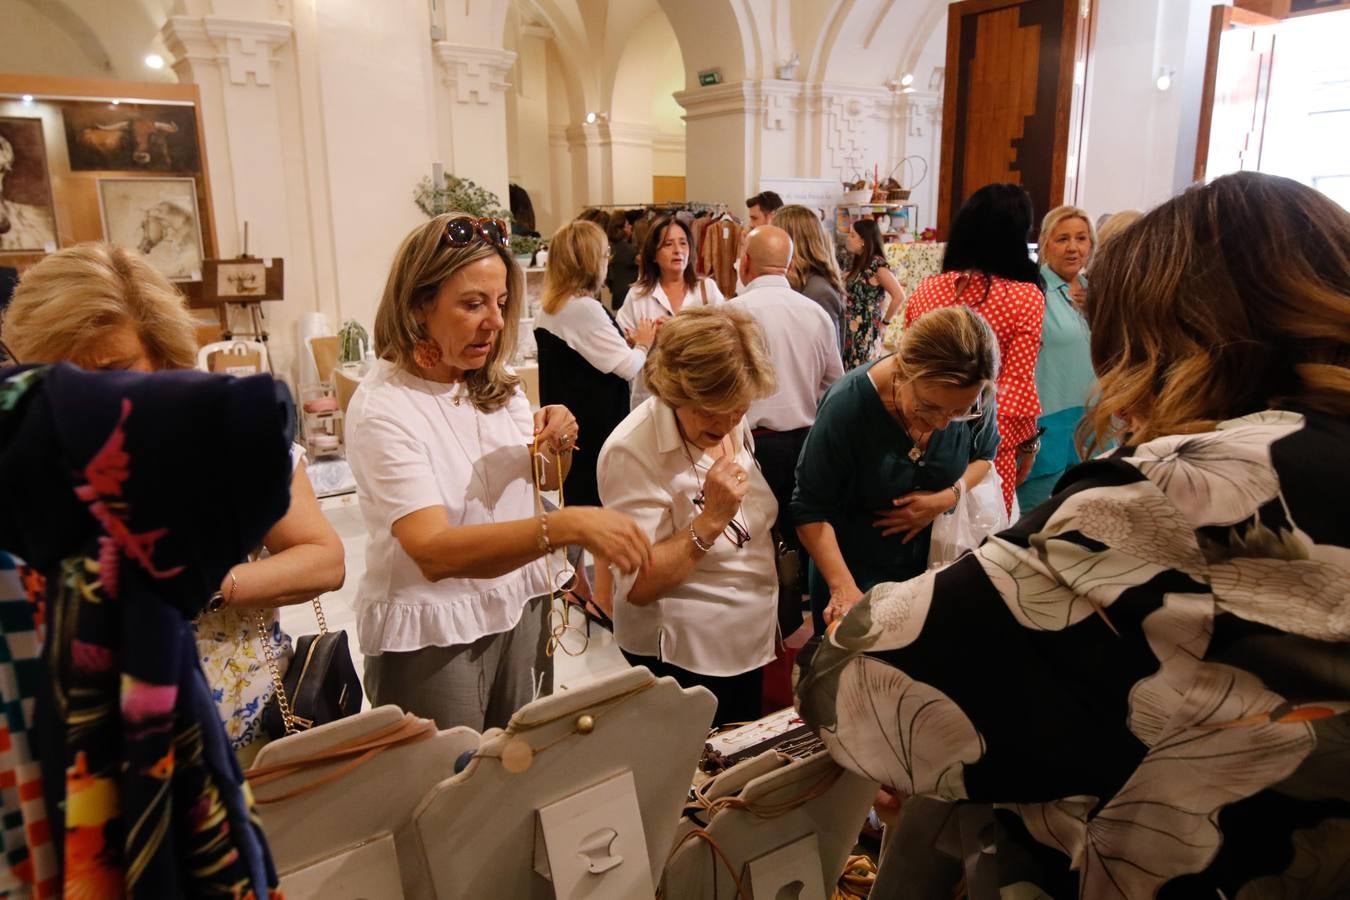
(27, 204)
(160, 218)
(247, 280)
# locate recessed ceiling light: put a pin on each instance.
(27, 98)
(907, 79)
(155, 61)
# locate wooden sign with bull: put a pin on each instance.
(131, 137)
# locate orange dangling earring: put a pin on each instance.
(426, 352)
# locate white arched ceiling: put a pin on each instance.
(864, 41)
(716, 35)
(647, 73)
(89, 38)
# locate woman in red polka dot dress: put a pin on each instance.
(987, 267)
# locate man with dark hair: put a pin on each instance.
(762, 206)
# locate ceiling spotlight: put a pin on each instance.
(1165, 77)
(27, 99)
(154, 61)
(907, 79)
(590, 118)
(117, 103)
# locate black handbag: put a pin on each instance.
(321, 684)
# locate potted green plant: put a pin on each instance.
(461, 194)
(353, 342)
(523, 247)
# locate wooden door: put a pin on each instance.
(1237, 89)
(1011, 98)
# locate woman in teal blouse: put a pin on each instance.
(895, 444)
(1064, 375)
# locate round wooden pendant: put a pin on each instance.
(517, 756)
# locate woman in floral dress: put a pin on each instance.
(869, 282)
(986, 267)
(1142, 688)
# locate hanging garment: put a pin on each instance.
(113, 484)
(721, 241)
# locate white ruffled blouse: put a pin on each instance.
(414, 444)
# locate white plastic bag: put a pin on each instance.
(980, 513)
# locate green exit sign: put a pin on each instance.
(709, 77)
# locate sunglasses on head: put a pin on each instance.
(462, 231)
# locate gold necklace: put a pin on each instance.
(916, 452)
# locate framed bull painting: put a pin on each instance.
(158, 217)
(131, 137)
(27, 216)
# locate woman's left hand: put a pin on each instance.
(555, 429)
(913, 513)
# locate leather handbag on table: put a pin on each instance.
(321, 684)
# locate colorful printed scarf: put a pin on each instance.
(113, 483)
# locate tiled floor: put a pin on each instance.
(599, 657)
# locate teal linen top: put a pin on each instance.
(855, 462)
(1064, 373)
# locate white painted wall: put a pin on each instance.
(1139, 147)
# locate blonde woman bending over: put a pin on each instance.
(101, 306)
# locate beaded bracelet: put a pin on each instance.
(698, 541)
(545, 546)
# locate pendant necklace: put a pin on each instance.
(478, 427)
(915, 452)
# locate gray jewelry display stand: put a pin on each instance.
(579, 797)
(777, 848)
(353, 837)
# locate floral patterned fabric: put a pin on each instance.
(1148, 676)
(865, 307)
(911, 263)
(232, 659)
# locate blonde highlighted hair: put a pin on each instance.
(421, 265)
(69, 302)
(813, 251)
(1232, 298)
(711, 358)
(952, 345)
(1054, 218)
(1116, 223)
(576, 264)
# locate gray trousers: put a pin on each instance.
(479, 685)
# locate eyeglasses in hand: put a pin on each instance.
(735, 531)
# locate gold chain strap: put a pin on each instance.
(559, 623)
(287, 717)
(269, 653)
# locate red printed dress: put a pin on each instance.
(1015, 311)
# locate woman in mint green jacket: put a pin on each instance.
(1064, 376)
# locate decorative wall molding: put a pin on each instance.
(627, 134)
(923, 112)
(242, 47)
(780, 101)
(476, 73)
(720, 100)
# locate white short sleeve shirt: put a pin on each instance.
(722, 619)
(412, 446)
(641, 304)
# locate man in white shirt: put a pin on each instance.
(804, 348)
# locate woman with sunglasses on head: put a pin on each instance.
(987, 267)
(460, 566)
(682, 464)
(895, 445)
(666, 284)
